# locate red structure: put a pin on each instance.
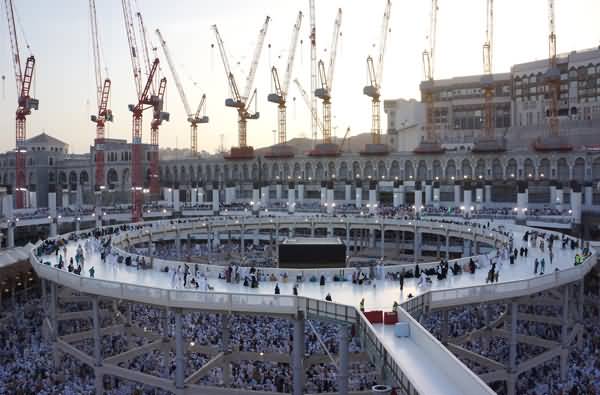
(25, 105)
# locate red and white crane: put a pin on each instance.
(102, 97)
(313, 110)
(25, 103)
(281, 90)
(193, 118)
(242, 102)
(376, 76)
(145, 100)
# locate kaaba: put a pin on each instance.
(312, 253)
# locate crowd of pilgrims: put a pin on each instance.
(26, 358)
(583, 366)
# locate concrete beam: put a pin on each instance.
(134, 352)
(217, 360)
(470, 355)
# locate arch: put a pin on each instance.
(265, 172)
(437, 170)
(112, 177)
(381, 170)
(217, 174)
(308, 171)
(175, 174)
(84, 177)
(331, 172)
(596, 169)
(450, 170)
(62, 178)
(467, 169)
(199, 174)
(529, 169)
(544, 168)
(254, 171)
(287, 174)
(191, 174)
(356, 170)
(395, 169)
(275, 171)
(319, 172)
(562, 170)
(422, 171)
(368, 170)
(480, 169)
(297, 174)
(168, 176)
(409, 171)
(497, 172)
(73, 177)
(511, 168)
(125, 182)
(235, 172)
(343, 171)
(209, 173)
(579, 170)
(245, 172)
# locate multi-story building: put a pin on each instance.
(520, 103)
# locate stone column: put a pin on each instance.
(65, 196)
(200, 194)
(417, 245)
(300, 193)
(436, 194)
(176, 200)
(194, 197)
(278, 191)
(589, 195)
(564, 335)
(467, 199)
(298, 355)
(457, 194)
(255, 198)
(33, 197)
(418, 198)
(428, 193)
(576, 206)
(358, 195)
(479, 197)
(348, 193)
(521, 201)
(291, 203)
(552, 193)
(558, 202)
(396, 194)
(330, 198)
(168, 193)
(488, 192)
(215, 198)
(264, 196)
(323, 193)
(373, 197)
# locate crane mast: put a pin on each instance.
(313, 69)
(25, 104)
(326, 78)
(242, 103)
(281, 91)
(102, 97)
(158, 116)
(430, 144)
(375, 77)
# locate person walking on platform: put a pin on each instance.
(535, 266)
(362, 305)
(401, 281)
(542, 266)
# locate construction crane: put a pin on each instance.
(430, 144)
(552, 79)
(376, 76)
(488, 142)
(313, 110)
(193, 118)
(25, 103)
(102, 96)
(281, 91)
(242, 102)
(313, 70)
(145, 100)
(326, 79)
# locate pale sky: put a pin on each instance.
(59, 34)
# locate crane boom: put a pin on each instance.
(184, 100)
(313, 111)
(14, 43)
(228, 73)
(255, 58)
(383, 41)
(334, 44)
(133, 51)
(144, 38)
(292, 54)
(96, 50)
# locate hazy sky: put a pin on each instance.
(59, 34)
